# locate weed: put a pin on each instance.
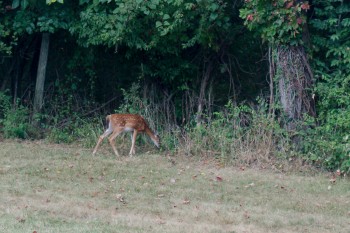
(13, 118)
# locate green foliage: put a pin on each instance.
(328, 144)
(330, 43)
(278, 22)
(71, 104)
(68, 124)
(7, 38)
(165, 44)
(133, 103)
(25, 3)
(328, 147)
(5, 104)
(168, 25)
(78, 130)
(80, 72)
(36, 16)
(24, 22)
(235, 133)
(13, 119)
(53, 1)
(282, 22)
(17, 3)
(51, 23)
(4, 47)
(239, 134)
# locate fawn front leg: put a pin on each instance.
(112, 141)
(100, 139)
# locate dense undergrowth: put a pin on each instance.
(235, 134)
(199, 66)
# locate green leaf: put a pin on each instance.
(15, 4)
(24, 4)
(159, 24)
(213, 16)
(53, 1)
(152, 6)
(164, 32)
(214, 6)
(346, 22)
(166, 16)
(334, 37)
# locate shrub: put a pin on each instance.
(235, 134)
(77, 130)
(239, 134)
(327, 142)
(14, 119)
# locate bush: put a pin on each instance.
(84, 131)
(327, 142)
(238, 134)
(241, 134)
(14, 119)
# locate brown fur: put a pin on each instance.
(118, 123)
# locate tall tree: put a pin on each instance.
(40, 80)
(31, 19)
(282, 23)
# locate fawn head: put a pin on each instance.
(156, 140)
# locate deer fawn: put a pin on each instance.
(118, 123)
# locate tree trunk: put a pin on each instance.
(293, 80)
(202, 92)
(40, 79)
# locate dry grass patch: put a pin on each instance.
(55, 188)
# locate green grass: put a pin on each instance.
(60, 188)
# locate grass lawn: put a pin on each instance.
(60, 188)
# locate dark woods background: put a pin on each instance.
(246, 81)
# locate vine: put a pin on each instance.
(278, 22)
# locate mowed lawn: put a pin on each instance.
(60, 188)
